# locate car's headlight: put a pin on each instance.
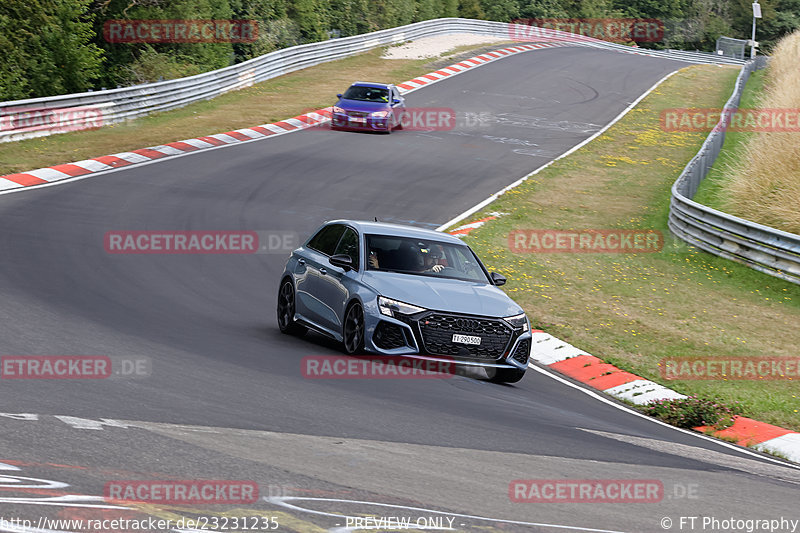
(518, 322)
(380, 114)
(338, 109)
(388, 307)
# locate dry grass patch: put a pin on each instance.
(765, 184)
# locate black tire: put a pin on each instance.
(400, 122)
(505, 375)
(286, 309)
(353, 330)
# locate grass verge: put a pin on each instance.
(270, 101)
(635, 310)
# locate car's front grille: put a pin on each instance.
(437, 330)
(388, 336)
(523, 351)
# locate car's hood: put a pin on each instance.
(358, 105)
(443, 294)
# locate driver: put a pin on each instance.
(424, 259)
(430, 259)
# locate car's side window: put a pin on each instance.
(348, 245)
(325, 240)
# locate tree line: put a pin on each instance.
(52, 47)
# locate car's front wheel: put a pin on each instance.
(353, 330)
(506, 375)
(286, 308)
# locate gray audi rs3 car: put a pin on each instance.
(399, 290)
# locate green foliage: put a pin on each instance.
(658, 9)
(502, 10)
(275, 28)
(151, 65)
(449, 8)
(309, 15)
(347, 16)
(125, 58)
(46, 48)
(543, 9)
(57, 46)
(692, 412)
(470, 9)
(427, 9)
(383, 14)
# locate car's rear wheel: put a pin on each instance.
(353, 330)
(505, 375)
(286, 309)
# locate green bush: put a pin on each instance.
(152, 66)
(692, 412)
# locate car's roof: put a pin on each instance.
(371, 84)
(398, 230)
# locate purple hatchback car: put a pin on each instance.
(369, 106)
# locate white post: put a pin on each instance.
(756, 15)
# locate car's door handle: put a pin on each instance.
(301, 261)
(323, 271)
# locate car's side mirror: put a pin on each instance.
(343, 261)
(396, 101)
(498, 279)
(338, 96)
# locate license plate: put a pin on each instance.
(466, 339)
(358, 119)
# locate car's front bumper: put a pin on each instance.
(343, 120)
(410, 336)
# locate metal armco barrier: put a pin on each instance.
(36, 117)
(762, 248)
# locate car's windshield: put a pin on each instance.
(367, 94)
(424, 258)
